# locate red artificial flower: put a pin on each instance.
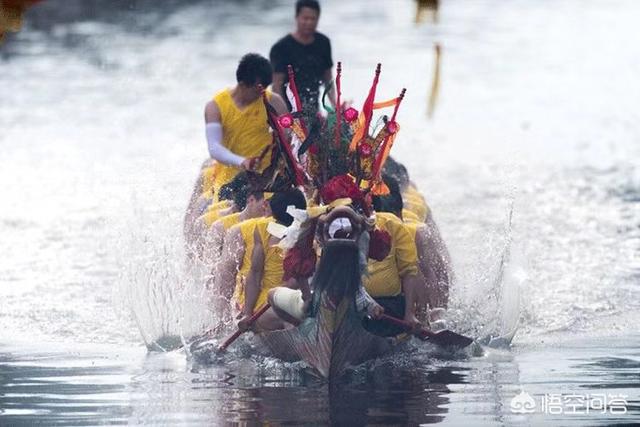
(379, 244)
(286, 120)
(350, 114)
(339, 187)
(392, 127)
(299, 263)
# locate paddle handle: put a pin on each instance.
(237, 333)
(423, 332)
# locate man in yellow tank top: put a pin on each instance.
(229, 274)
(217, 210)
(398, 273)
(433, 289)
(267, 270)
(249, 203)
(196, 207)
(433, 251)
(197, 242)
(236, 121)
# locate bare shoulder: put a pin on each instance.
(276, 97)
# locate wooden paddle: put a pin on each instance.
(444, 338)
(237, 333)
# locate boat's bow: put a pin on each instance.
(332, 337)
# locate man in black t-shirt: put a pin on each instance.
(308, 52)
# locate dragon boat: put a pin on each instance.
(342, 161)
(336, 334)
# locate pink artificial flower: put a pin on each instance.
(286, 120)
(350, 114)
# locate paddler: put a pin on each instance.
(229, 274)
(196, 206)
(249, 204)
(236, 121)
(266, 271)
(197, 241)
(397, 273)
(433, 248)
(430, 291)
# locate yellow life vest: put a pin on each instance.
(384, 277)
(244, 132)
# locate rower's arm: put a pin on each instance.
(366, 303)
(226, 270)
(213, 243)
(277, 102)
(277, 84)
(214, 131)
(406, 253)
(254, 279)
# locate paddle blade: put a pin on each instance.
(450, 339)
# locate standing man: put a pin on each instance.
(308, 52)
(236, 121)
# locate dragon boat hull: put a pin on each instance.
(328, 342)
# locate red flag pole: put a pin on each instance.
(367, 108)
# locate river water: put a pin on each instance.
(530, 162)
